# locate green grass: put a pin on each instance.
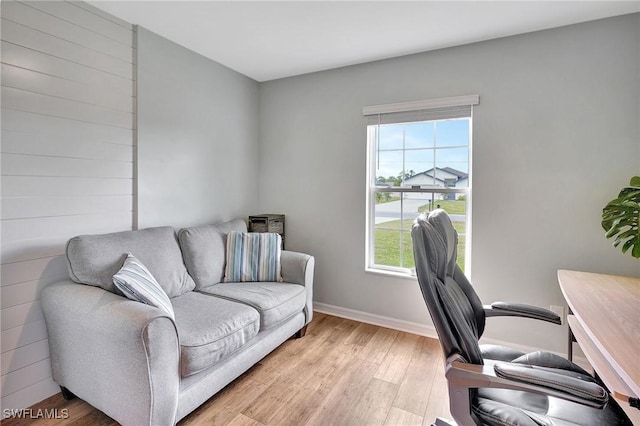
(451, 206)
(393, 243)
(382, 200)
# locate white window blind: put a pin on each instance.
(435, 109)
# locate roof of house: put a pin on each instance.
(461, 175)
(450, 170)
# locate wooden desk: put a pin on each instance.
(605, 322)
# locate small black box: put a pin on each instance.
(267, 223)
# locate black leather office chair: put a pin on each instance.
(489, 384)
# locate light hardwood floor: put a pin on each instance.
(342, 372)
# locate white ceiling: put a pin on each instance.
(266, 40)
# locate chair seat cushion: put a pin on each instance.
(538, 358)
(503, 406)
(499, 353)
(210, 329)
(274, 301)
(551, 360)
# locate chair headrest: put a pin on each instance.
(441, 221)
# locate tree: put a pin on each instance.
(403, 176)
(393, 180)
(382, 197)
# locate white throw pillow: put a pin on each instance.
(137, 283)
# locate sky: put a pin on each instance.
(443, 143)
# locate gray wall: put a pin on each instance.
(67, 163)
(554, 138)
(197, 137)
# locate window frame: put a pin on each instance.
(373, 188)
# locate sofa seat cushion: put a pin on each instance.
(275, 301)
(210, 329)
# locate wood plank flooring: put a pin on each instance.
(342, 372)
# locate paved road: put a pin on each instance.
(387, 212)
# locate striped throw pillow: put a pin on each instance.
(137, 283)
(253, 256)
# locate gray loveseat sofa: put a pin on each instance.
(134, 362)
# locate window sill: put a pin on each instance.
(391, 274)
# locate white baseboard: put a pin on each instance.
(417, 328)
(379, 320)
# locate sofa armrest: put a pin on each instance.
(298, 268)
(120, 356)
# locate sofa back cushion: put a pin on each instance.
(204, 248)
(136, 282)
(95, 259)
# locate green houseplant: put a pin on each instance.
(621, 218)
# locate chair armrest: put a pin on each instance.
(525, 378)
(521, 310)
(121, 356)
(298, 268)
(547, 378)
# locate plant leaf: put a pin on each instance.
(626, 246)
(621, 218)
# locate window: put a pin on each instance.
(418, 160)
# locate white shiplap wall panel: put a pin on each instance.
(37, 82)
(88, 17)
(22, 12)
(67, 164)
(40, 165)
(18, 337)
(47, 267)
(36, 392)
(14, 230)
(50, 65)
(25, 292)
(33, 207)
(32, 38)
(38, 186)
(24, 356)
(27, 122)
(16, 316)
(23, 100)
(24, 377)
(20, 251)
(62, 146)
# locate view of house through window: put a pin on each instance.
(415, 167)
